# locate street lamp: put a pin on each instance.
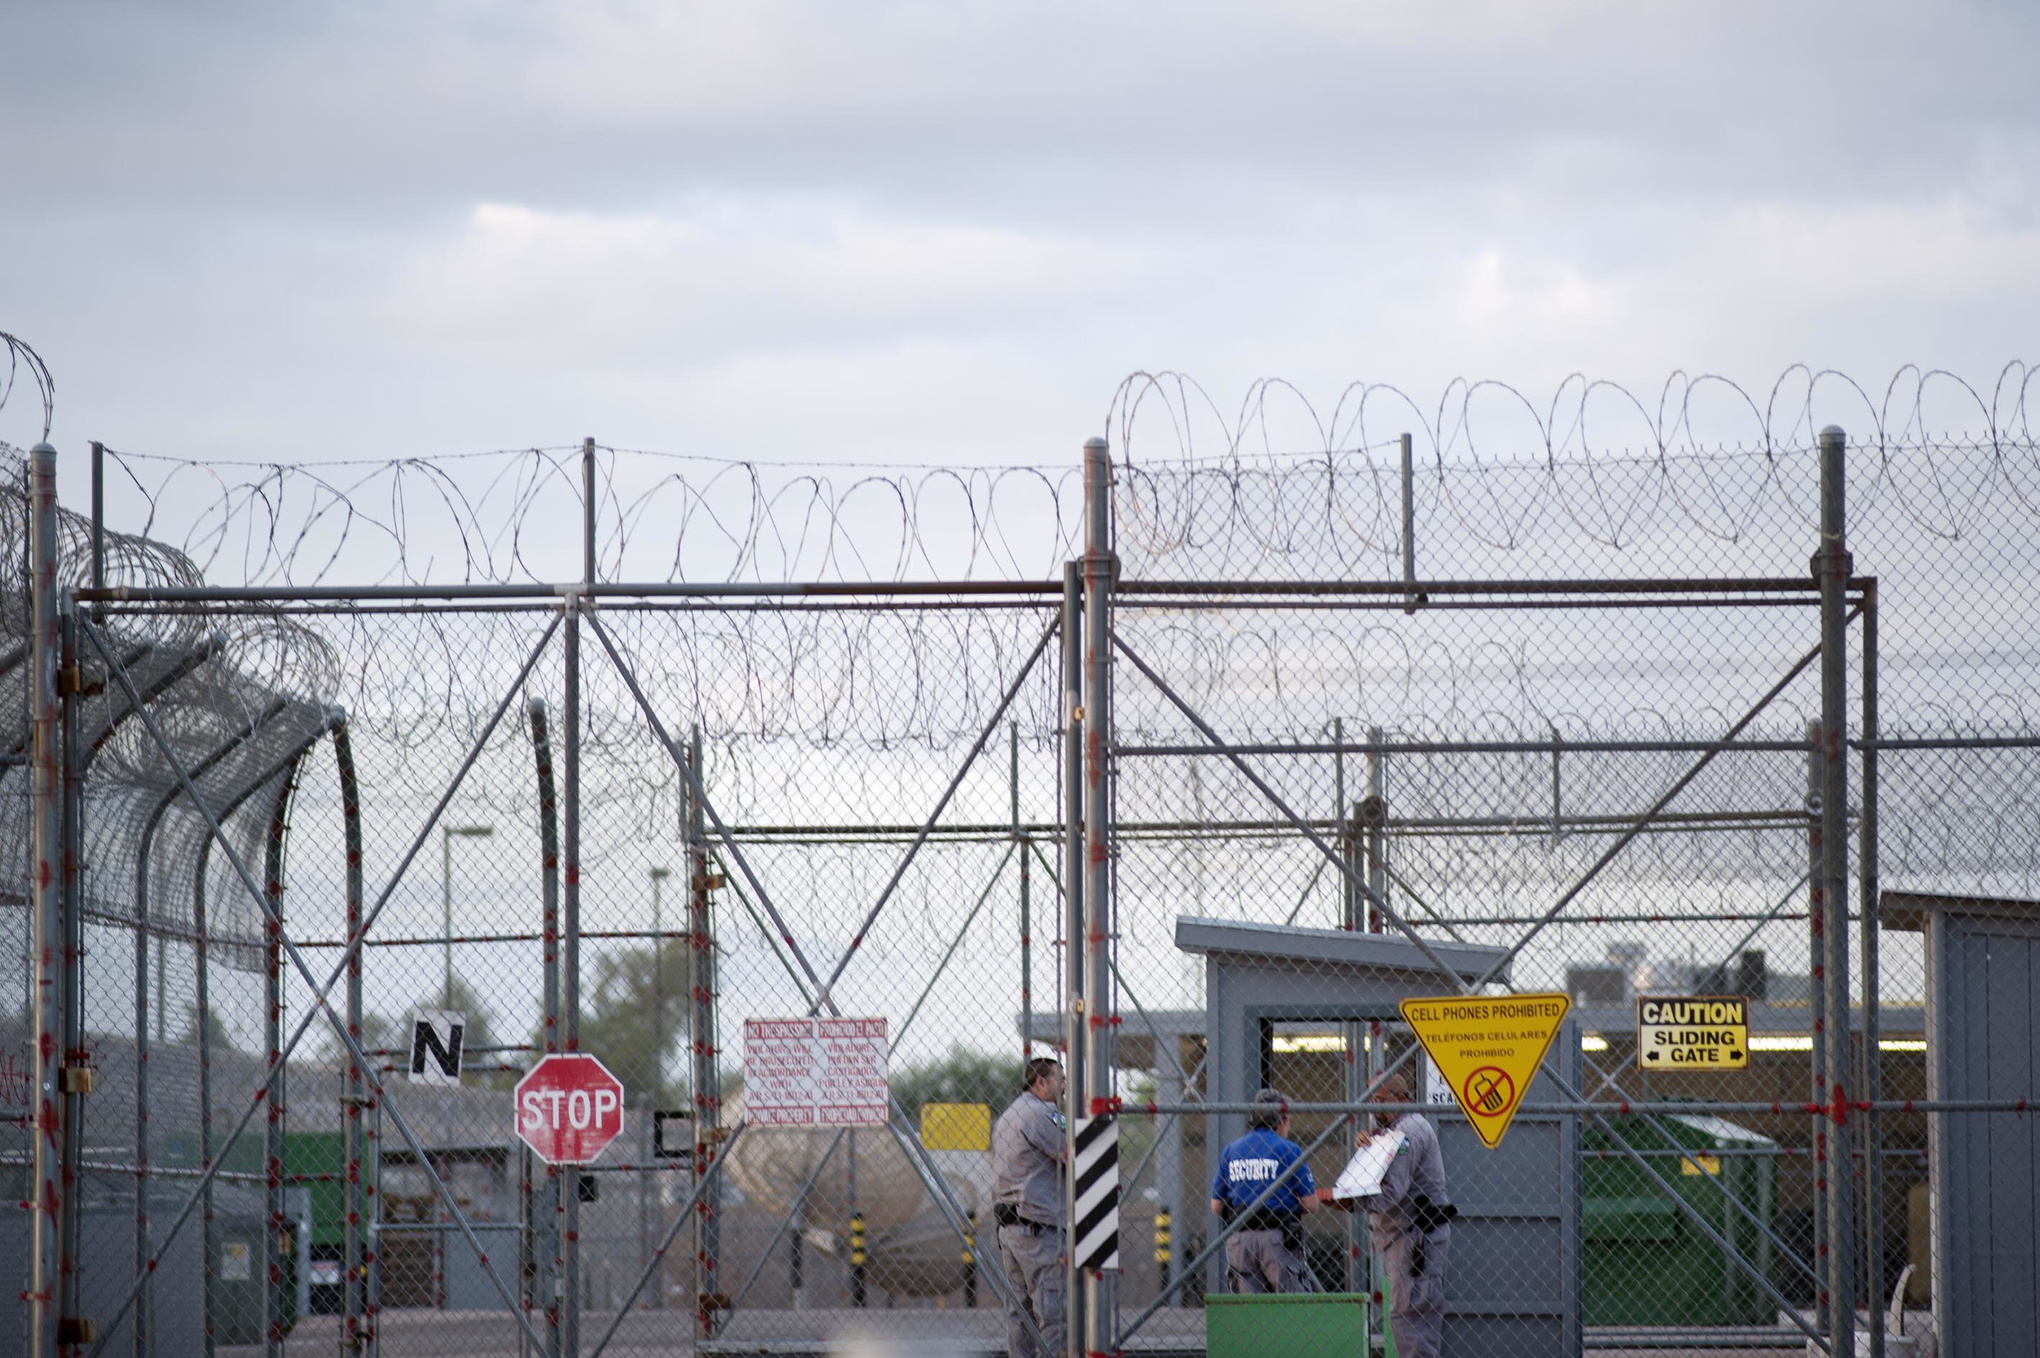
(446, 837)
(659, 876)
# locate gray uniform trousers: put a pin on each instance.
(1416, 1306)
(1258, 1261)
(1034, 1267)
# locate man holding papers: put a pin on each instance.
(1398, 1179)
(1266, 1253)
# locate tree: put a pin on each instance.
(960, 1076)
(634, 1015)
(216, 1035)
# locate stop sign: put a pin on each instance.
(569, 1108)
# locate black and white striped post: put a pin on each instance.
(1094, 1232)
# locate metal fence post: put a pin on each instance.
(144, 1301)
(202, 1043)
(1832, 567)
(1353, 1079)
(1867, 879)
(570, 971)
(711, 1302)
(570, 933)
(548, 1207)
(272, 1043)
(1817, 999)
(75, 1327)
(357, 1249)
(1372, 816)
(1100, 934)
(588, 510)
(1026, 911)
(372, 1140)
(46, 1246)
(1073, 898)
(1409, 523)
(98, 516)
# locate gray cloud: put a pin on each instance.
(272, 231)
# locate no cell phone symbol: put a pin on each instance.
(1490, 1092)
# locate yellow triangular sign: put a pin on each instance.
(1487, 1048)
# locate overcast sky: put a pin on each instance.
(943, 232)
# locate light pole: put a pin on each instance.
(659, 876)
(446, 837)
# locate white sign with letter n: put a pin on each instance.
(436, 1037)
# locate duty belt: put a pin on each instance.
(1006, 1214)
(1428, 1216)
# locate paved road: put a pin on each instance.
(752, 1334)
(484, 1334)
(849, 1334)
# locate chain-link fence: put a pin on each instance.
(343, 782)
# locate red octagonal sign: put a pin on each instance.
(569, 1108)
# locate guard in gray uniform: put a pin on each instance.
(1410, 1224)
(1029, 1176)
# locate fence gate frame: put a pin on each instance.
(70, 633)
(1837, 597)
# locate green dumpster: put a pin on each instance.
(1646, 1262)
(1295, 1325)
(320, 1158)
(239, 1280)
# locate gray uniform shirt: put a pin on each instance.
(1027, 1163)
(1418, 1167)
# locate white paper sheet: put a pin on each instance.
(1363, 1174)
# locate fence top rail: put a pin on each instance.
(655, 589)
(1645, 585)
(660, 589)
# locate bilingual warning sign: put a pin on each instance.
(815, 1072)
(1692, 1032)
(1487, 1048)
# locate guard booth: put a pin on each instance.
(1983, 1169)
(1513, 1286)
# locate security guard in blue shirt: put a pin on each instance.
(1266, 1253)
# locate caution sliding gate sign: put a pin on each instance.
(1692, 1032)
(1487, 1049)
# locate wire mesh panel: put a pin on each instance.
(368, 817)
